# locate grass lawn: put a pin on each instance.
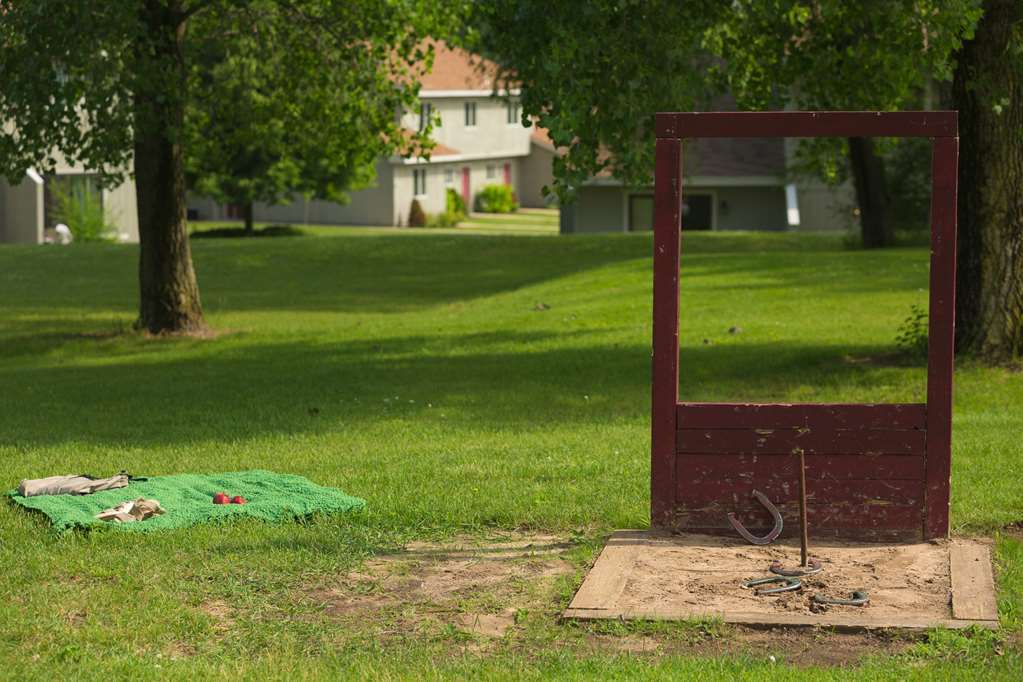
(466, 383)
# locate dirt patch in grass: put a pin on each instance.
(795, 646)
(509, 595)
(807, 647)
(220, 613)
(476, 588)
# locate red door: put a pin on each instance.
(465, 185)
(507, 173)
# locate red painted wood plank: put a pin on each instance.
(822, 518)
(667, 231)
(941, 334)
(778, 416)
(697, 468)
(858, 533)
(738, 494)
(672, 125)
(786, 441)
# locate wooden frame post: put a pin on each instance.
(664, 381)
(941, 334)
(875, 471)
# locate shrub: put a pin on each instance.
(496, 199)
(912, 336)
(81, 208)
(416, 216)
(446, 219)
(454, 211)
(455, 205)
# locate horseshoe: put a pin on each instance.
(814, 565)
(790, 585)
(753, 539)
(859, 598)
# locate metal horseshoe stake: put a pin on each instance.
(753, 539)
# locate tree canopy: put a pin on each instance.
(246, 143)
(137, 85)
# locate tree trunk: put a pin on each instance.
(871, 193)
(988, 92)
(168, 291)
(247, 217)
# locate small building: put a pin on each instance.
(28, 209)
(728, 184)
(480, 140)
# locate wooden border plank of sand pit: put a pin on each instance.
(972, 581)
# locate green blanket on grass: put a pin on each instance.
(188, 500)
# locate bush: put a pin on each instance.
(455, 205)
(496, 199)
(81, 208)
(416, 216)
(445, 219)
(454, 211)
(912, 336)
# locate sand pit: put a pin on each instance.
(644, 575)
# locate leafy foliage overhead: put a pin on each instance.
(305, 90)
(594, 73)
(297, 100)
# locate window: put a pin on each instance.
(449, 176)
(470, 114)
(419, 182)
(514, 113)
(491, 171)
(425, 110)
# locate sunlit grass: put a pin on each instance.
(462, 381)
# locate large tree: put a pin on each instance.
(106, 84)
(988, 93)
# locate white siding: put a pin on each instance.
(21, 218)
(492, 135)
(536, 171)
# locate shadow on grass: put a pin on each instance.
(233, 232)
(236, 390)
(372, 270)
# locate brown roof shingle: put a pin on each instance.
(457, 69)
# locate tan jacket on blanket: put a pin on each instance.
(70, 485)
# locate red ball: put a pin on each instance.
(237, 499)
(221, 498)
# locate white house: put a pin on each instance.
(28, 208)
(480, 140)
(728, 184)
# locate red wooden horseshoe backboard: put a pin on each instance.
(874, 471)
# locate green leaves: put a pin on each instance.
(302, 98)
(594, 74)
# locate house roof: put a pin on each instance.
(753, 159)
(442, 150)
(727, 156)
(457, 69)
(408, 145)
(734, 156)
(539, 136)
